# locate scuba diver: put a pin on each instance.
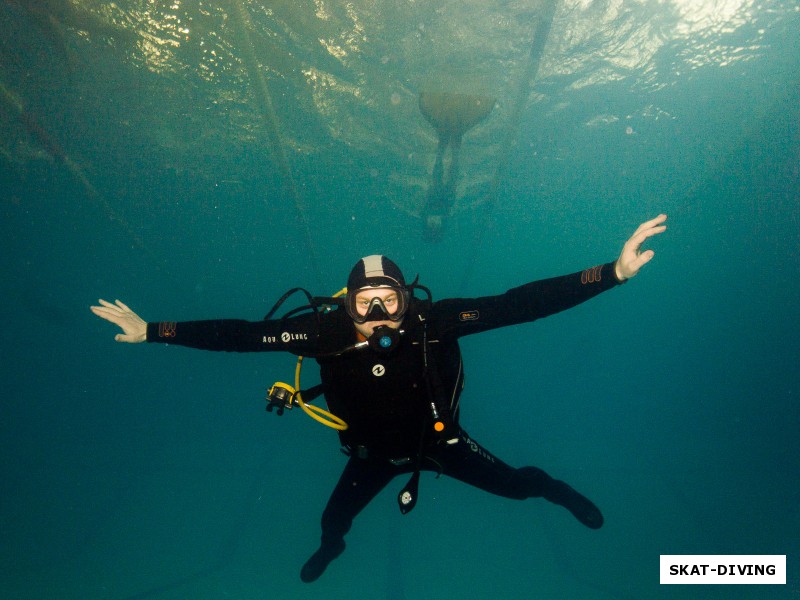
(452, 115)
(391, 374)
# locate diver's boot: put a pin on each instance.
(580, 506)
(319, 561)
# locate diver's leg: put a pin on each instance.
(437, 177)
(360, 482)
(469, 462)
(437, 204)
(452, 171)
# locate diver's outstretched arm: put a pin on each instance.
(632, 259)
(133, 326)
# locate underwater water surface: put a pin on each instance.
(197, 159)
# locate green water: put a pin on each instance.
(136, 163)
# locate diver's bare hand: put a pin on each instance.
(632, 258)
(133, 326)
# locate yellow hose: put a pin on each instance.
(315, 412)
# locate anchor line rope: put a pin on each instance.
(538, 43)
(262, 92)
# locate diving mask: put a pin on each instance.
(389, 306)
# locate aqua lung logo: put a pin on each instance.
(469, 315)
(287, 337)
(379, 370)
(477, 449)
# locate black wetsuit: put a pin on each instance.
(386, 398)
